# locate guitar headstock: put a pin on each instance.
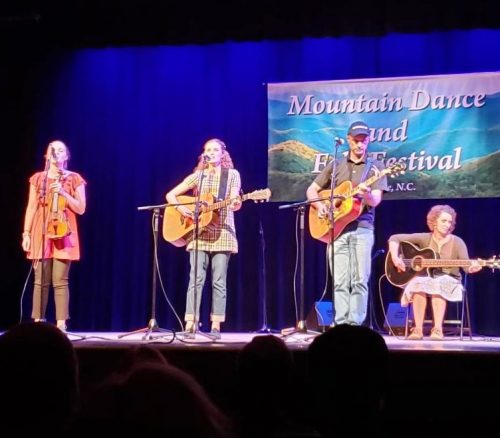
(492, 262)
(259, 195)
(396, 169)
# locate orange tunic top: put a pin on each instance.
(68, 247)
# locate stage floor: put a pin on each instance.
(297, 341)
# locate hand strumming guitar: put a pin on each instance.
(396, 259)
(184, 211)
(322, 210)
(398, 263)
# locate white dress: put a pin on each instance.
(450, 288)
(447, 286)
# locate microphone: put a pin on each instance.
(53, 153)
(205, 158)
(339, 141)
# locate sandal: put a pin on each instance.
(416, 334)
(436, 334)
(215, 333)
(215, 330)
(61, 325)
(189, 331)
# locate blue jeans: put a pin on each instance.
(219, 261)
(351, 272)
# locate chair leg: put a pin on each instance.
(465, 316)
(462, 320)
(407, 320)
(467, 309)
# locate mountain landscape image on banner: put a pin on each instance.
(444, 129)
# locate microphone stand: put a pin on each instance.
(301, 326)
(152, 324)
(196, 215)
(264, 328)
(43, 200)
(331, 217)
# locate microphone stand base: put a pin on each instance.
(152, 327)
(266, 329)
(300, 329)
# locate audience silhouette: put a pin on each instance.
(348, 377)
(345, 392)
(38, 380)
(265, 374)
(148, 395)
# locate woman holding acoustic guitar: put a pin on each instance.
(447, 252)
(215, 177)
(56, 196)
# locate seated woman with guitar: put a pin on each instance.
(56, 196)
(213, 177)
(427, 264)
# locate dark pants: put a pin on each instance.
(55, 271)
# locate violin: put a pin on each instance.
(57, 224)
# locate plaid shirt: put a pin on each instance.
(220, 234)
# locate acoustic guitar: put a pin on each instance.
(176, 227)
(347, 207)
(423, 262)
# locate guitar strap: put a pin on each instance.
(366, 169)
(224, 172)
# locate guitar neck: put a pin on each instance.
(441, 263)
(223, 203)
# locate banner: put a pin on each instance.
(445, 129)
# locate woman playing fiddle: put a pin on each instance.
(56, 196)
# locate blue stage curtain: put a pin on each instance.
(135, 120)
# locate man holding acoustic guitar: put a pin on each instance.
(351, 229)
(217, 234)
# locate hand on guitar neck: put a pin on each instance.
(348, 204)
(371, 198)
(234, 204)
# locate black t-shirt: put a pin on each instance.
(348, 170)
